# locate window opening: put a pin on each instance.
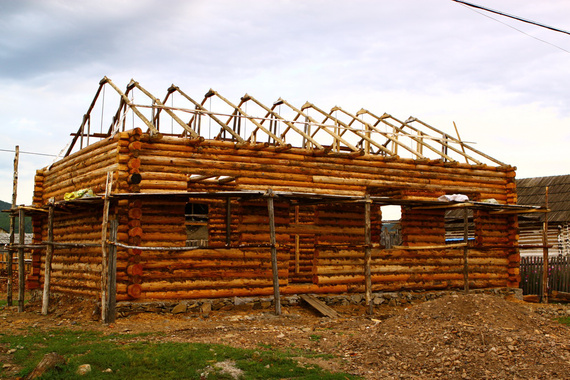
(196, 215)
(391, 234)
(454, 227)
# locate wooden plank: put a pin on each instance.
(21, 266)
(319, 306)
(49, 255)
(367, 256)
(12, 229)
(112, 293)
(104, 249)
(273, 242)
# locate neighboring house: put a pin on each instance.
(195, 208)
(5, 241)
(5, 238)
(531, 191)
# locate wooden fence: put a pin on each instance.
(558, 274)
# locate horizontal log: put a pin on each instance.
(203, 284)
(413, 261)
(82, 292)
(163, 184)
(73, 173)
(165, 176)
(213, 254)
(453, 188)
(220, 263)
(407, 277)
(419, 268)
(83, 154)
(82, 181)
(298, 157)
(202, 293)
(82, 267)
(212, 277)
(431, 285)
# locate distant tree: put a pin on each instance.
(5, 219)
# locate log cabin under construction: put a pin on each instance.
(191, 202)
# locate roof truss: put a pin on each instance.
(281, 125)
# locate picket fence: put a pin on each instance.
(558, 274)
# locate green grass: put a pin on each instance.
(142, 357)
(315, 337)
(564, 320)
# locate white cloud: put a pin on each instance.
(435, 60)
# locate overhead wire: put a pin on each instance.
(471, 6)
(32, 153)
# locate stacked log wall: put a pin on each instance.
(217, 223)
(500, 231)
(76, 270)
(397, 269)
(174, 160)
(423, 227)
(84, 169)
(145, 164)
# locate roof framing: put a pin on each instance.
(361, 133)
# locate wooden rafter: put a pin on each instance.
(363, 136)
(320, 126)
(239, 110)
(271, 111)
(389, 137)
(203, 110)
(462, 144)
(80, 131)
(400, 130)
(156, 101)
(351, 135)
(443, 140)
(134, 108)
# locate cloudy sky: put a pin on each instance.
(437, 60)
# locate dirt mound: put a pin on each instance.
(465, 336)
(456, 336)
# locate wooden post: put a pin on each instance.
(271, 212)
(112, 292)
(104, 253)
(21, 266)
(49, 255)
(9, 260)
(367, 256)
(465, 250)
(461, 142)
(544, 298)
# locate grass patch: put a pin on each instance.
(315, 337)
(564, 320)
(140, 357)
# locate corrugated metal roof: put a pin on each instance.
(5, 238)
(531, 191)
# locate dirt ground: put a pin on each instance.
(454, 337)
